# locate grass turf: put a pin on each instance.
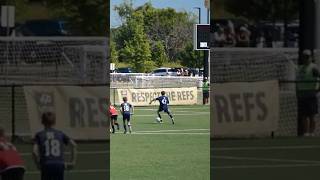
(163, 151)
(265, 159)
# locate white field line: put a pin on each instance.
(176, 130)
(80, 152)
(154, 109)
(265, 166)
(193, 114)
(265, 148)
(74, 171)
(166, 133)
(266, 159)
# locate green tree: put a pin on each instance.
(257, 10)
(114, 52)
(167, 25)
(190, 57)
(86, 17)
(137, 47)
(158, 54)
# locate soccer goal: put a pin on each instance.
(254, 65)
(47, 61)
(53, 60)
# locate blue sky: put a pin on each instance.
(179, 5)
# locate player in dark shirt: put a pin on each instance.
(126, 111)
(164, 102)
(48, 150)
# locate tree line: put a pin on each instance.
(150, 37)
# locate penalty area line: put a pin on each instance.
(193, 114)
(264, 148)
(265, 166)
(74, 171)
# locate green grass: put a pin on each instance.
(90, 165)
(163, 151)
(265, 159)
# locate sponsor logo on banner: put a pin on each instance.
(245, 108)
(142, 97)
(80, 111)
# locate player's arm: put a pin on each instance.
(153, 100)
(35, 155)
(73, 152)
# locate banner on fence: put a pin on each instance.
(142, 97)
(81, 112)
(245, 109)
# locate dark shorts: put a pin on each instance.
(52, 172)
(13, 174)
(307, 104)
(165, 109)
(126, 116)
(114, 117)
(205, 94)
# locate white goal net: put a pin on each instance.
(53, 60)
(252, 64)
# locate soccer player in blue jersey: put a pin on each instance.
(48, 150)
(126, 111)
(164, 102)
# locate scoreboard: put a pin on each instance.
(201, 37)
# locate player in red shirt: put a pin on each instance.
(11, 164)
(114, 117)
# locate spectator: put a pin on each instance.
(219, 37)
(11, 164)
(307, 95)
(260, 40)
(182, 72)
(230, 40)
(205, 91)
(186, 72)
(243, 38)
(178, 72)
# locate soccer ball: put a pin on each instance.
(158, 119)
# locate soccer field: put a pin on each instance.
(265, 159)
(163, 151)
(92, 162)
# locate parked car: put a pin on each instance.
(124, 70)
(43, 27)
(164, 72)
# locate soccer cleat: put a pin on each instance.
(125, 132)
(160, 121)
(130, 130)
(172, 121)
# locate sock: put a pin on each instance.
(112, 128)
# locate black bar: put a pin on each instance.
(307, 26)
(13, 110)
(206, 64)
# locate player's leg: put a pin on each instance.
(124, 125)
(112, 124)
(312, 125)
(313, 111)
(129, 125)
(116, 122)
(158, 113)
(170, 115)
